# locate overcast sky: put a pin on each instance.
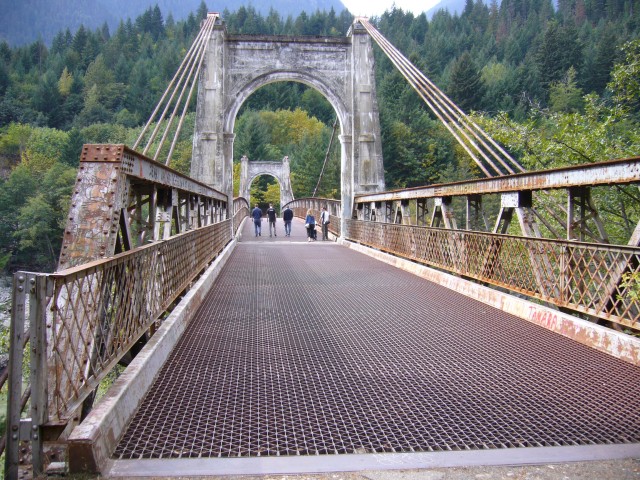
(370, 8)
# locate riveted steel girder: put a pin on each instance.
(123, 199)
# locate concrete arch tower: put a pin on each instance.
(279, 170)
(340, 68)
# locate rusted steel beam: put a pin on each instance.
(621, 171)
(136, 165)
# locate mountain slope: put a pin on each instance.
(29, 20)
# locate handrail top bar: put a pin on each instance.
(620, 171)
(146, 169)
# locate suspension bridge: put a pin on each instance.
(429, 331)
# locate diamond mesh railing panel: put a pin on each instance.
(98, 310)
(583, 277)
(315, 349)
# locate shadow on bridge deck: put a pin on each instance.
(315, 358)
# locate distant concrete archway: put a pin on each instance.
(340, 68)
(281, 171)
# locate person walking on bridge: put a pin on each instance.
(287, 216)
(256, 214)
(324, 221)
(310, 223)
(271, 218)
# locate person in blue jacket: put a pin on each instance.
(310, 223)
(256, 214)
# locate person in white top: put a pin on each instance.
(324, 221)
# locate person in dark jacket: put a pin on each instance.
(256, 214)
(271, 218)
(287, 216)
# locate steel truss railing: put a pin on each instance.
(137, 235)
(580, 276)
(83, 320)
(123, 200)
(240, 210)
(574, 216)
(583, 277)
(461, 207)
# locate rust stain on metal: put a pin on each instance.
(617, 344)
(90, 215)
(112, 179)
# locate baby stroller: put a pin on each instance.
(311, 231)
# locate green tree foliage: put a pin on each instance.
(565, 96)
(40, 219)
(271, 135)
(565, 136)
(35, 196)
(14, 193)
(625, 79)
(253, 138)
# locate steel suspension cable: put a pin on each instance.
(432, 102)
(444, 108)
(415, 78)
(187, 73)
(461, 116)
(423, 85)
(191, 79)
(189, 62)
(167, 90)
(186, 103)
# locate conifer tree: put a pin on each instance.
(465, 83)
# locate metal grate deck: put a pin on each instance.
(307, 349)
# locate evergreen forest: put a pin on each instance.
(555, 86)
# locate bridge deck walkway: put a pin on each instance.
(307, 349)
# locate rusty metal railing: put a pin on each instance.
(83, 320)
(581, 276)
(240, 210)
(99, 310)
